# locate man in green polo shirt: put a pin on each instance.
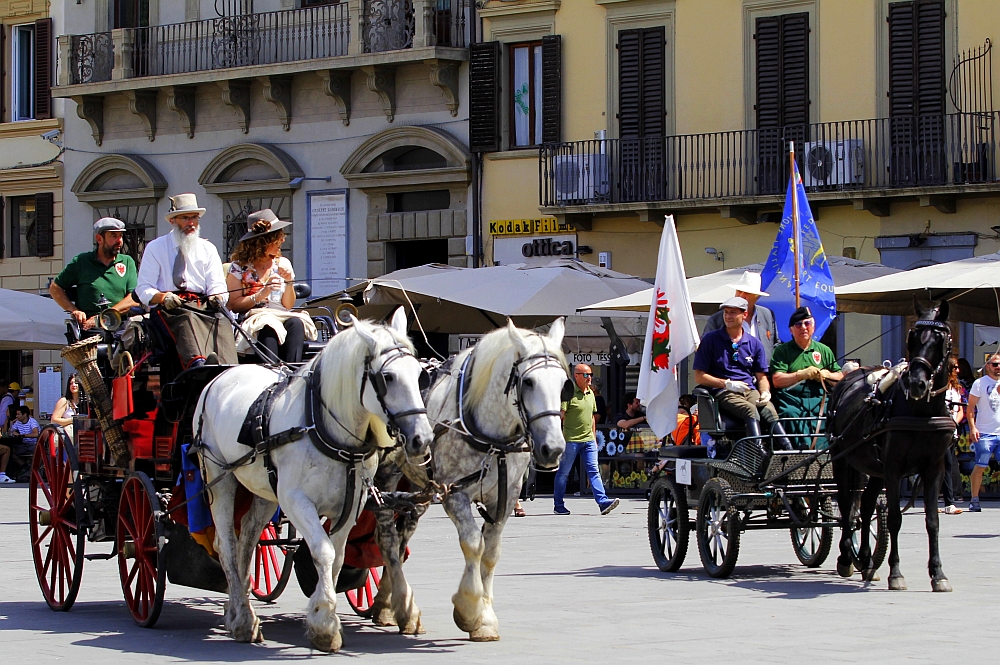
(579, 428)
(104, 272)
(802, 369)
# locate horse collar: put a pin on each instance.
(320, 436)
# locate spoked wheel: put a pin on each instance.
(812, 544)
(361, 599)
(667, 523)
(878, 536)
(141, 562)
(718, 529)
(55, 504)
(272, 563)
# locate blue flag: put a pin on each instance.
(815, 281)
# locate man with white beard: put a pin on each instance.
(182, 274)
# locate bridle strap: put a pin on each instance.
(398, 351)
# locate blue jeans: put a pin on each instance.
(589, 451)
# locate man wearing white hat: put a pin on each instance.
(759, 321)
(179, 272)
(104, 273)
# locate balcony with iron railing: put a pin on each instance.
(364, 31)
(932, 158)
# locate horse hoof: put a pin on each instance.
(897, 584)
(845, 571)
(466, 626)
(871, 575)
(940, 585)
(328, 643)
(412, 627)
(383, 617)
(484, 634)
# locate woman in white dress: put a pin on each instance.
(68, 405)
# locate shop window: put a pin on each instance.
(435, 199)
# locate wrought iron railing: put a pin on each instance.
(390, 25)
(92, 57)
(241, 40)
(883, 153)
(451, 20)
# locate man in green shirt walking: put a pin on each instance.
(801, 369)
(579, 429)
(104, 272)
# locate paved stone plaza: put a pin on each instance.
(581, 588)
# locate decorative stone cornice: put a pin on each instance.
(382, 81)
(154, 184)
(444, 74)
(278, 91)
(236, 93)
(454, 153)
(91, 109)
(212, 178)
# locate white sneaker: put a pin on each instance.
(4, 478)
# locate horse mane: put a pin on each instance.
(342, 362)
(496, 348)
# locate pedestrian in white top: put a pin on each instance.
(180, 272)
(984, 424)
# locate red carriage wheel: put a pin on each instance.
(361, 599)
(272, 563)
(55, 504)
(140, 556)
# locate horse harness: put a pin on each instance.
(518, 442)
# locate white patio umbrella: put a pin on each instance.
(972, 287)
(28, 322)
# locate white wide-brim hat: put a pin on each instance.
(183, 204)
(749, 283)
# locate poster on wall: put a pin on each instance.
(49, 389)
(326, 234)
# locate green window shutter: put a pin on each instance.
(484, 97)
(551, 89)
(44, 227)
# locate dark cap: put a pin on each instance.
(801, 314)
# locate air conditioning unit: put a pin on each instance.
(832, 163)
(580, 178)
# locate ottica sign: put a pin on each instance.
(525, 227)
(547, 247)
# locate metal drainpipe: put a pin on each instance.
(477, 231)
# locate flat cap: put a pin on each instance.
(108, 224)
(737, 302)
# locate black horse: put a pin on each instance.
(888, 436)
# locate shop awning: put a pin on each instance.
(29, 322)
(972, 287)
(463, 300)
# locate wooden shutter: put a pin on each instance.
(3, 96)
(768, 59)
(902, 67)
(629, 84)
(641, 83)
(929, 56)
(551, 89)
(653, 84)
(795, 69)
(43, 69)
(44, 241)
(484, 97)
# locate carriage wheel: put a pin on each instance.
(718, 529)
(55, 504)
(878, 536)
(272, 564)
(361, 599)
(141, 562)
(812, 544)
(667, 523)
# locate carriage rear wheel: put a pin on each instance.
(878, 535)
(361, 599)
(667, 523)
(718, 529)
(139, 540)
(272, 563)
(55, 506)
(812, 544)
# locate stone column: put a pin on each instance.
(356, 21)
(64, 73)
(423, 29)
(124, 42)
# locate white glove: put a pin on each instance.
(737, 387)
(171, 301)
(765, 397)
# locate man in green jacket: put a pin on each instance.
(102, 273)
(579, 428)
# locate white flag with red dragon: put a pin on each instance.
(671, 336)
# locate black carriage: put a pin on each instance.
(747, 486)
(114, 479)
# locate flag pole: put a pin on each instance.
(795, 218)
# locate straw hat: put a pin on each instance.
(270, 224)
(183, 204)
(749, 283)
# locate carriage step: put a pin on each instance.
(100, 557)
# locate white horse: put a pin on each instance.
(498, 405)
(365, 378)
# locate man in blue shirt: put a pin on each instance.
(730, 362)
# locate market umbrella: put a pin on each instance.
(709, 291)
(972, 287)
(28, 321)
(466, 300)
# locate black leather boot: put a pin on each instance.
(780, 438)
(753, 429)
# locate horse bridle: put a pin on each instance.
(940, 327)
(377, 379)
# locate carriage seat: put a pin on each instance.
(712, 419)
(684, 452)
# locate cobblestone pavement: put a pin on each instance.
(576, 588)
